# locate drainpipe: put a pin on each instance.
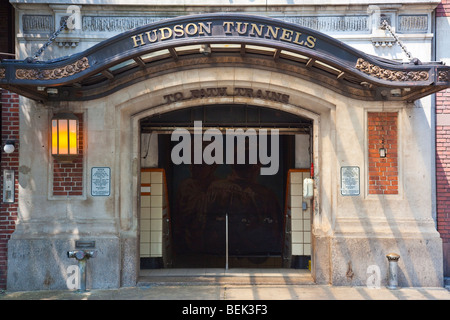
(392, 277)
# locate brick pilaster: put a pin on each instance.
(443, 173)
(8, 211)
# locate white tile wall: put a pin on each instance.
(300, 219)
(151, 214)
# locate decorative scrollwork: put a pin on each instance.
(391, 75)
(2, 73)
(51, 74)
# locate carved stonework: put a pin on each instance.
(37, 23)
(443, 76)
(339, 23)
(331, 23)
(51, 74)
(2, 73)
(383, 43)
(67, 43)
(413, 23)
(390, 75)
(116, 23)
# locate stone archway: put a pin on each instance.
(144, 99)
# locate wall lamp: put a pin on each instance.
(9, 146)
(382, 150)
(65, 133)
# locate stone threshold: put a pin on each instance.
(219, 276)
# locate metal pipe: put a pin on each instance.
(82, 268)
(392, 277)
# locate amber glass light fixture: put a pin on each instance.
(65, 136)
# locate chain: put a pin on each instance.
(49, 41)
(385, 25)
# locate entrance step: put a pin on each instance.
(447, 283)
(235, 276)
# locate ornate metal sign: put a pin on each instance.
(227, 28)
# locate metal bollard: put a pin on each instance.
(82, 256)
(392, 280)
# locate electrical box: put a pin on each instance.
(308, 188)
(8, 186)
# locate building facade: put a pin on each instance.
(347, 127)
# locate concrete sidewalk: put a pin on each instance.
(233, 284)
(236, 292)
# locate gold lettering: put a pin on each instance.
(297, 36)
(204, 28)
(238, 27)
(150, 38)
(311, 42)
(178, 30)
(286, 35)
(228, 26)
(274, 33)
(191, 33)
(163, 35)
(255, 28)
(138, 41)
(222, 92)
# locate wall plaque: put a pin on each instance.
(37, 23)
(100, 181)
(350, 181)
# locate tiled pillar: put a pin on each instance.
(300, 217)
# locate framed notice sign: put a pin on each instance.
(350, 181)
(100, 181)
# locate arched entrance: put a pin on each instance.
(218, 210)
(142, 104)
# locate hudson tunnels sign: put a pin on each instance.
(77, 76)
(225, 29)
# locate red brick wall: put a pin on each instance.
(443, 174)
(8, 211)
(68, 177)
(443, 9)
(383, 172)
(442, 181)
(443, 159)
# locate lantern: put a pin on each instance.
(382, 150)
(65, 136)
